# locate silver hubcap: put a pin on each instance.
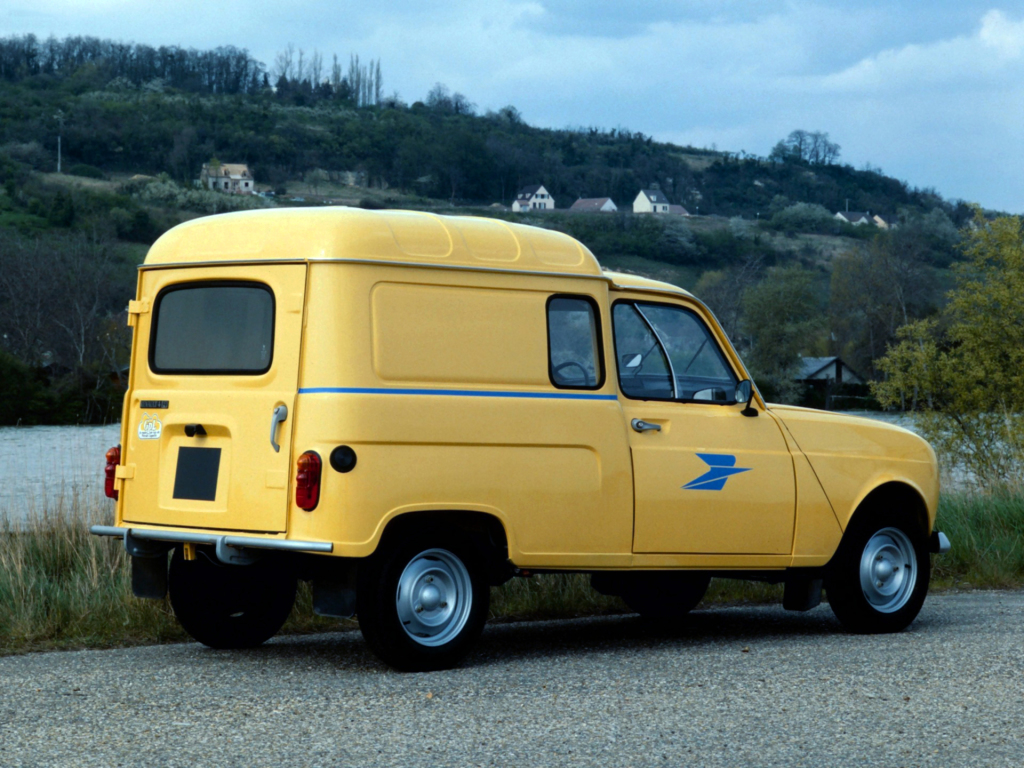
(888, 570)
(434, 597)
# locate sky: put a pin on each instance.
(931, 93)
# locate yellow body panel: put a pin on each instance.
(420, 342)
(852, 456)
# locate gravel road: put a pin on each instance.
(737, 686)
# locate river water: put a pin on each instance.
(46, 468)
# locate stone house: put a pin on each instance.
(227, 177)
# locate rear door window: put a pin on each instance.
(213, 328)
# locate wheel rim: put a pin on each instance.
(888, 570)
(434, 597)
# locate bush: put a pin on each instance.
(804, 217)
(30, 153)
(200, 200)
(87, 171)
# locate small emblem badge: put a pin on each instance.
(150, 427)
(720, 468)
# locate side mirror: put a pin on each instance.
(632, 361)
(745, 394)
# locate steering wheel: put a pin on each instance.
(569, 363)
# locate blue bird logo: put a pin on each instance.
(720, 468)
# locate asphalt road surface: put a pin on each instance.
(736, 687)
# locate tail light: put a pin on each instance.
(113, 459)
(307, 481)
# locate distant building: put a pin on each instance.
(827, 370)
(678, 210)
(594, 205)
(857, 218)
(651, 201)
(534, 198)
(227, 177)
(885, 222)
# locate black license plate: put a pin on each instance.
(196, 475)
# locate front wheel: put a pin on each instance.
(879, 578)
(229, 606)
(422, 601)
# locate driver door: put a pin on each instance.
(707, 479)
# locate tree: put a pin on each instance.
(811, 147)
(316, 179)
(964, 376)
(874, 293)
(782, 320)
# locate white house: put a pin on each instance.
(857, 218)
(594, 205)
(227, 177)
(533, 198)
(651, 201)
(885, 222)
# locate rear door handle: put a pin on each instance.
(280, 415)
(645, 426)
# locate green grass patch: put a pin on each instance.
(61, 588)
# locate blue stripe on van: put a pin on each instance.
(451, 393)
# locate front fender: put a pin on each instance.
(854, 457)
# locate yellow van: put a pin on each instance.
(405, 409)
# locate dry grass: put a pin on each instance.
(61, 588)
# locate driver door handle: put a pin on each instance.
(645, 426)
(280, 415)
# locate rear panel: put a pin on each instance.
(216, 353)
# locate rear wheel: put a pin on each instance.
(664, 596)
(422, 601)
(229, 606)
(879, 579)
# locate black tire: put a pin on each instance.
(442, 575)
(229, 606)
(665, 596)
(878, 580)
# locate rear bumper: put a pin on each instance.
(939, 543)
(224, 543)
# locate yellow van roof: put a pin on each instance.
(319, 234)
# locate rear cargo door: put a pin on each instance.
(214, 378)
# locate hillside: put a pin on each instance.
(136, 124)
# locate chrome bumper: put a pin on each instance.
(939, 543)
(227, 547)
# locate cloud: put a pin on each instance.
(995, 50)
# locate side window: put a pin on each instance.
(656, 342)
(574, 343)
(643, 368)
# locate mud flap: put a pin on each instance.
(149, 576)
(801, 594)
(334, 592)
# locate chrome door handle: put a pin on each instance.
(280, 414)
(645, 426)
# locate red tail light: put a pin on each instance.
(307, 481)
(113, 459)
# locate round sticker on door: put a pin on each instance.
(150, 427)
